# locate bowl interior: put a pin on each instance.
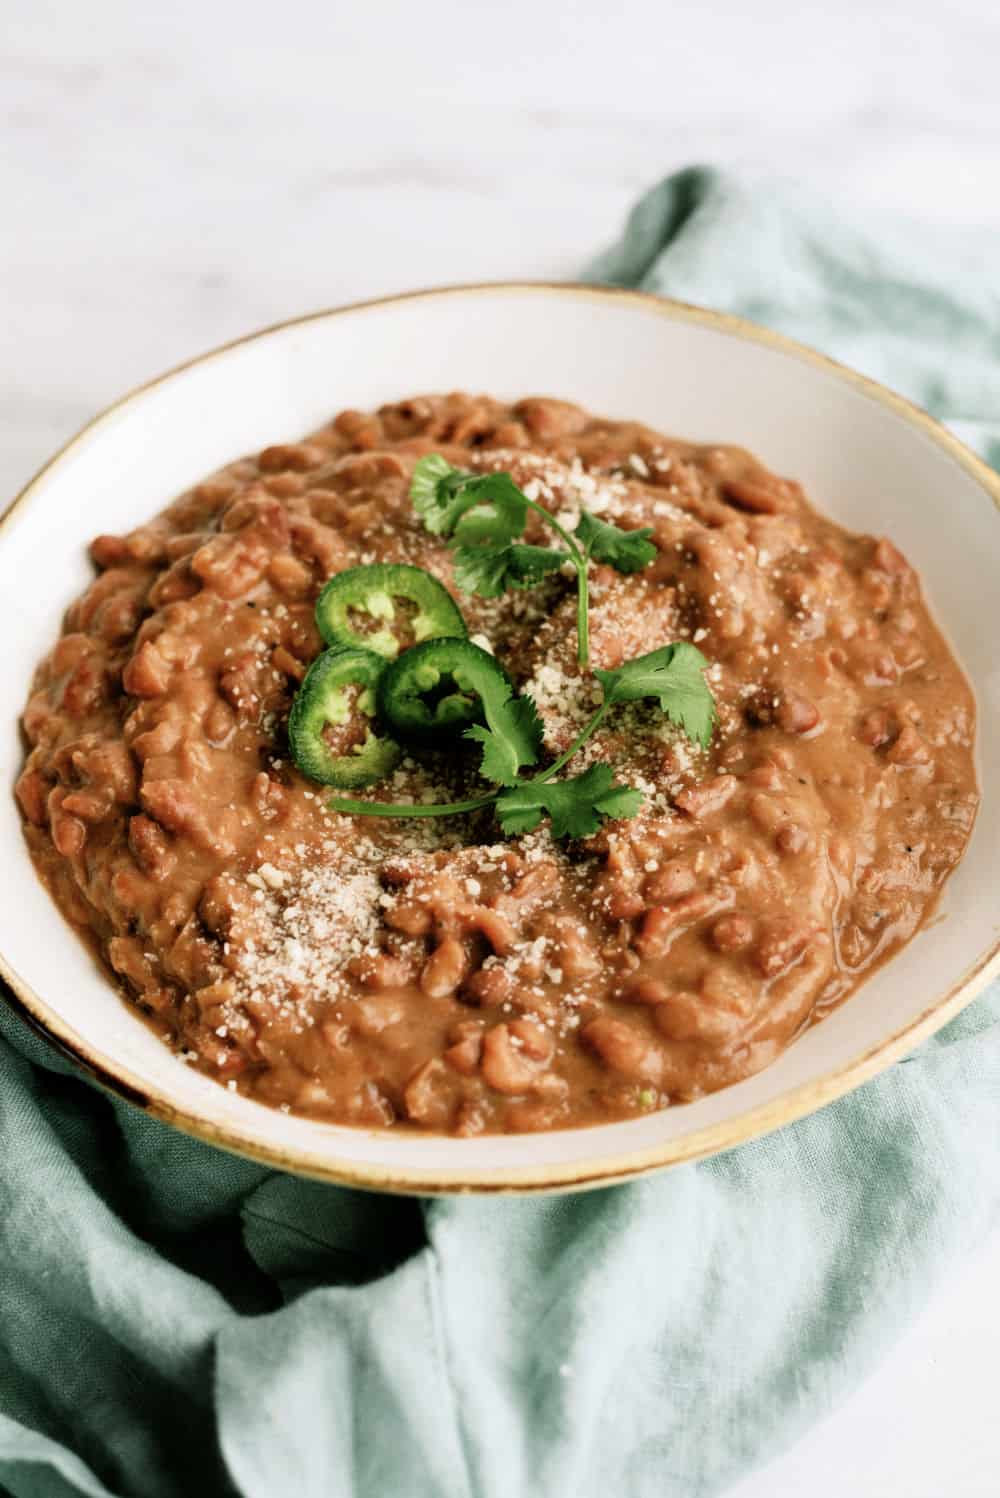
(865, 462)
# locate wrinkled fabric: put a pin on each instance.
(174, 1320)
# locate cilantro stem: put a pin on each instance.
(580, 561)
(589, 728)
(405, 809)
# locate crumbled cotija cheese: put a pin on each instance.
(565, 701)
(307, 928)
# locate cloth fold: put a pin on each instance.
(175, 1321)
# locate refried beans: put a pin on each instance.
(434, 973)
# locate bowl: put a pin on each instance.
(867, 457)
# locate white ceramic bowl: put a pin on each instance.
(868, 458)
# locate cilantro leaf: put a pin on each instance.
(512, 736)
(626, 551)
(497, 513)
(673, 674)
(512, 739)
(491, 570)
(473, 507)
(576, 806)
(427, 475)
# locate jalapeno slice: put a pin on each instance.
(325, 698)
(374, 591)
(435, 690)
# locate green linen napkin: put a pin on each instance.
(174, 1321)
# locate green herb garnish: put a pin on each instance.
(674, 675)
(511, 740)
(443, 496)
(445, 685)
(577, 806)
(484, 513)
(626, 551)
(491, 570)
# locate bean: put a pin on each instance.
(382, 970)
(669, 883)
(688, 1017)
(796, 714)
(546, 419)
(536, 1042)
(219, 723)
(700, 801)
(909, 749)
(731, 933)
(175, 805)
(283, 661)
(623, 1048)
(68, 833)
(875, 728)
(782, 942)
(412, 917)
(465, 1053)
(231, 565)
(756, 497)
(577, 956)
(147, 673)
(88, 806)
(319, 544)
(625, 904)
(32, 791)
(506, 1068)
(176, 583)
(299, 456)
(662, 922)
(791, 839)
(39, 719)
(150, 847)
(498, 931)
(647, 991)
(157, 741)
(766, 812)
(109, 551)
(85, 689)
(128, 959)
(285, 485)
(372, 1016)
(444, 969)
(489, 987)
(887, 558)
(290, 576)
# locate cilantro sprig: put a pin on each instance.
(443, 496)
(576, 806)
(625, 551)
(512, 737)
(674, 675)
(491, 570)
(483, 514)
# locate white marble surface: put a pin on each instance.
(175, 175)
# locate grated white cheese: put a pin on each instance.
(306, 929)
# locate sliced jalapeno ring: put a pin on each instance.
(435, 690)
(325, 698)
(374, 591)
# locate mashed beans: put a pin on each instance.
(433, 973)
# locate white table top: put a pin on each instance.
(176, 175)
